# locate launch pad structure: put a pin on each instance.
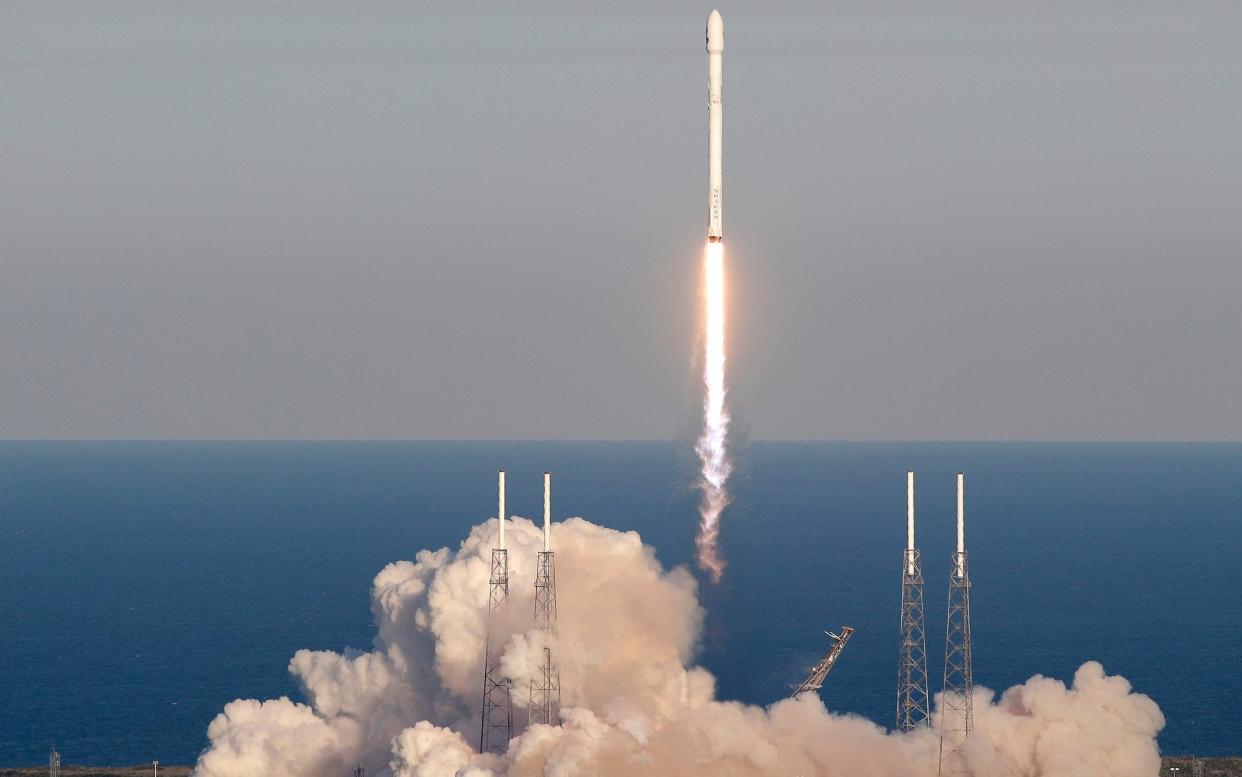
(496, 728)
(815, 680)
(545, 688)
(956, 715)
(912, 705)
(496, 723)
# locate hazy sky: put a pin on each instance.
(944, 220)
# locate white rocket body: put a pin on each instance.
(715, 128)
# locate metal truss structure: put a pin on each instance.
(956, 716)
(545, 689)
(815, 680)
(496, 728)
(912, 706)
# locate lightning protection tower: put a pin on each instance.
(497, 725)
(956, 717)
(53, 764)
(912, 652)
(545, 688)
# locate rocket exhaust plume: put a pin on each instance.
(712, 446)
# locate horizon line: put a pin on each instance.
(614, 440)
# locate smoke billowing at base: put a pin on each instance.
(633, 701)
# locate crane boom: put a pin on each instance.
(820, 670)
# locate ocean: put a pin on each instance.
(143, 585)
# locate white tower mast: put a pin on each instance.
(956, 713)
(496, 728)
(912, 703)
(545, 688)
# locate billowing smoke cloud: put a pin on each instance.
(633, 703)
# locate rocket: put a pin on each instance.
(715, 128)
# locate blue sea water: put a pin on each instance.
(144, 585)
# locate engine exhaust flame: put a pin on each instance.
(712, 446)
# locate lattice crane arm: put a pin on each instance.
(818, 672)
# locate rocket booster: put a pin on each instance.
(715, 128)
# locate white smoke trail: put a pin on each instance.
(634, 704)
(713, 444)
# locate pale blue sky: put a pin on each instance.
(944, 220)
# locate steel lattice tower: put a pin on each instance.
(496, 728)
(912, 652)
(545, 688)
(956, 716)
(53, 764)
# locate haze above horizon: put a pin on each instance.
(947, 221)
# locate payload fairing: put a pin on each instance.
(715, 128)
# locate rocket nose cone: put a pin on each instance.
(715, 33)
